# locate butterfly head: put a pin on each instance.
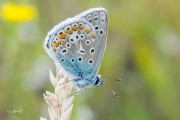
(98, 81)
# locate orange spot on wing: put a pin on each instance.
(81, 27)
(54, 49)
(69, 31)
(57, 43)
(62, 36)
(93, 36)
(87, 31)
(75, 28)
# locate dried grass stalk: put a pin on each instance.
(60, 105)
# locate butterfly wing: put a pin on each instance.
(96, 20)
(77, 44)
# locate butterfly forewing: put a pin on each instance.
(77, 44)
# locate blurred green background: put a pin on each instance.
(143, 49)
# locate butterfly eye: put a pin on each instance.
(97, 81)
(92, 50)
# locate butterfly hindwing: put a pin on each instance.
(77, 44)
(99, 24)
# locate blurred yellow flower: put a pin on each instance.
(17, 12)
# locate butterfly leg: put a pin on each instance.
(76, 93)
(79, 92)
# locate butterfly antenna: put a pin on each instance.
(116, 79)
(111, 89)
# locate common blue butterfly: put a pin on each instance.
(78, 44)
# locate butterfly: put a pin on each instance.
(78, 44)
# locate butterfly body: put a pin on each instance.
(77, 45)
